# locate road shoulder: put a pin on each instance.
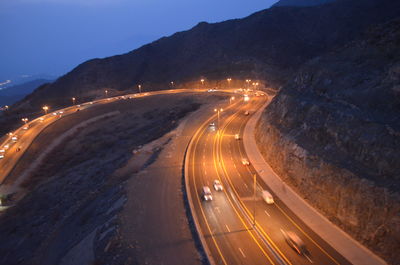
(334, 236)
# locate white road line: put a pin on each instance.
(241, 251)
(309, 259)
(217, 209)
(234, 165)
(267, 213)
(227, 228)
(246, 185)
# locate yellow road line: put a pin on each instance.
(288, 217)
(234, 208)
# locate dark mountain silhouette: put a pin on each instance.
(267, 45)
(302, 2)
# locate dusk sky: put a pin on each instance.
(53, 36)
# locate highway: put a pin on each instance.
(14, 150)
(227, 222)
(237, 226)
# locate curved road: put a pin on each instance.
(227, 222)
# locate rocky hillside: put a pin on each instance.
(334, 132)
(269, 45)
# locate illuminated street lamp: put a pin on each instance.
(229, 81)
(106, 91)
(218, 111)
(230, 100)
(7, 107)
(25, 120)
(202, 81)
(140, 88)
(45, 108)
(73, 101)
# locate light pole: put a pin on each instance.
(218, 111)
(106, 91)
(248, 81)
(172, 84)
(6, 106)
(45, 108)
(140, 88)
(254, 198)
(73, 101)
(230, 100)
(229, 82)
(202, 82)
(25, 120)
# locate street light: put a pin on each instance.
(25, 120)
(229, 81)
(45, 108)
(230, 100)
(218, 111)
(254, 198)
(73, 101)
(140, 88)
(202, 81)
(106, 91)
(6, 106)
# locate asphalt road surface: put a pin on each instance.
(227, 222)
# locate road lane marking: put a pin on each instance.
(267, 213)
(215, 157)
(241, 252)
(219, 155)
(227, 228)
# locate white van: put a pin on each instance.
(267, 197)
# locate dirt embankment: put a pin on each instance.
(69, 214)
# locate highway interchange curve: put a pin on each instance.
(226, 224)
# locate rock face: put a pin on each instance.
(333, 133)
(268, 45)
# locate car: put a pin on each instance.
(2, 153)
(295, 242)
(245, 162)
(267, 197)
(218, 185)
(5, 147)
(41, 119)
(237, 136)
(26, 127)
(246, 113)
(54, 113)
(60, 112)
(207, 196)
(14, 138)
(212, 124)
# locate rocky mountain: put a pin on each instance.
(302, 2)
(334, 130)
(268, 45)
(14, 93)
